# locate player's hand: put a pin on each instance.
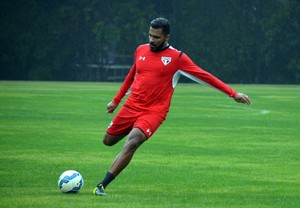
(111, 107)
(242, 98)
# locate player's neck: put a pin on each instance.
(166, 46)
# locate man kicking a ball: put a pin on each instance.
(151, 80)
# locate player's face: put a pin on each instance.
(157, 39)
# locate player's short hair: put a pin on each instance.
(163, 23)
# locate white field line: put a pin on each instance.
(254, 110)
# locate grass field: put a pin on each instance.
(210, 152)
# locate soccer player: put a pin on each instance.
(152, 78)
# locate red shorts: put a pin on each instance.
(127, 119)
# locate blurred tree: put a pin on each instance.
(245, 41)
(17, 38)
(38, 40)
(282, 43)
(121, 26)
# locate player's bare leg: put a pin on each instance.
(111, 140)
(135, 139)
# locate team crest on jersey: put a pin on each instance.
(166, 60)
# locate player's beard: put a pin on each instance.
(153, 47)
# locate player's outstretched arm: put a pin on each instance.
(111, 107)
(242, 98)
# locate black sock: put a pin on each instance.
(107, 179)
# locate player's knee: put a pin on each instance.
(133, 143)
(108, 140)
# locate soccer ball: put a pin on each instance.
(70, 181)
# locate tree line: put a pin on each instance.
(240, 41)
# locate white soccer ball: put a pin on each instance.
(70, 181)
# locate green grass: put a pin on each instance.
(210, 152)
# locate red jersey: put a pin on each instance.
(154, 75)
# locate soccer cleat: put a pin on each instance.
(99, 190)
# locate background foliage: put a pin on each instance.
(245, 41)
